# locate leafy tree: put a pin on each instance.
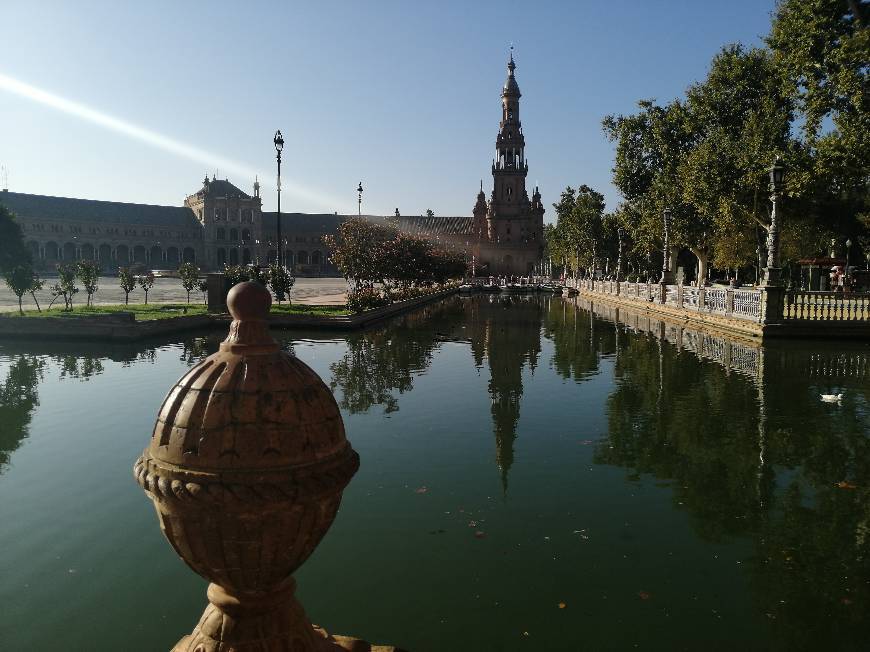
(189, 275)
(236, 274)
(146, 282)
(822, 48)
(128, 282)
(21, 279)
(357, 251)
(577, 236)
(203, 288)
(12, 250)
(88, 272)
(281, 281)
(67, 284)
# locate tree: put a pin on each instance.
(12, 250)
(128, 282)
(146, 282)
(21, 279)
(88, 272)
(189, 275)
(822, 47)
(67, 284)
(281, 281)
(357, 251)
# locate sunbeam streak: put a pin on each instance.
(154, 139)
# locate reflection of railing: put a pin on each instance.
(826, 306)
(839, 365)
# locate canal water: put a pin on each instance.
(537, 474)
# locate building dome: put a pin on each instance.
(511, 88)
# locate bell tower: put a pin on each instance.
(514, 223)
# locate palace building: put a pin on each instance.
(220, 224)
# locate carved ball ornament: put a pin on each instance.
(246, 469)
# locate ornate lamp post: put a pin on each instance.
(667, 273)
(619, 235)
(772, 271)
(359, 192)
(279, 145)
(246, 469)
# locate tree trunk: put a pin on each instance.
(20, 309)
(33, 294)
(703, 258)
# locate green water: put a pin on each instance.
(517, 455)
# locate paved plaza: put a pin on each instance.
(319, 291)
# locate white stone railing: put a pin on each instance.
(729, 302)
(716, 300)
(826, 306)
(747, 304)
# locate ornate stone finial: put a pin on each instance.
(246, 468)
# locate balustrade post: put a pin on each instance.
(680, 295)
(729, 301)
(702, 298)
(246, 469)
(772, 304)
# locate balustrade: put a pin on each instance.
(827, 306)
(747, 303)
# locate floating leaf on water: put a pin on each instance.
(845, 484)
(562, 605)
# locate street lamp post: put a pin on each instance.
(667, 273)
(772, 271)
(279, 145)
(359, 192)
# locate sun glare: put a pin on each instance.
(208, 159)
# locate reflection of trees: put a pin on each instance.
(766, 461)
(578, 339)
(80, 367)
(508, 330)
(18, 397)
(383, 361)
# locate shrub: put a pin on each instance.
(366, 299)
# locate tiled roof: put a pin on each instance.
(92, 210)
(329, 223)
(437, 225)
(303, 222)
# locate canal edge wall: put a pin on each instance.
(122, 327)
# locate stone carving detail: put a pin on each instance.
(246, 468)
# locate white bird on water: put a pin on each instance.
(831, 398)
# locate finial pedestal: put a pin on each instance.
(246, 468)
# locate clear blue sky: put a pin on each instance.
(144, 98)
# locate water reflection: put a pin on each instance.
(506, 333)
(381, 362)
(18, 398)
(734, 432)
